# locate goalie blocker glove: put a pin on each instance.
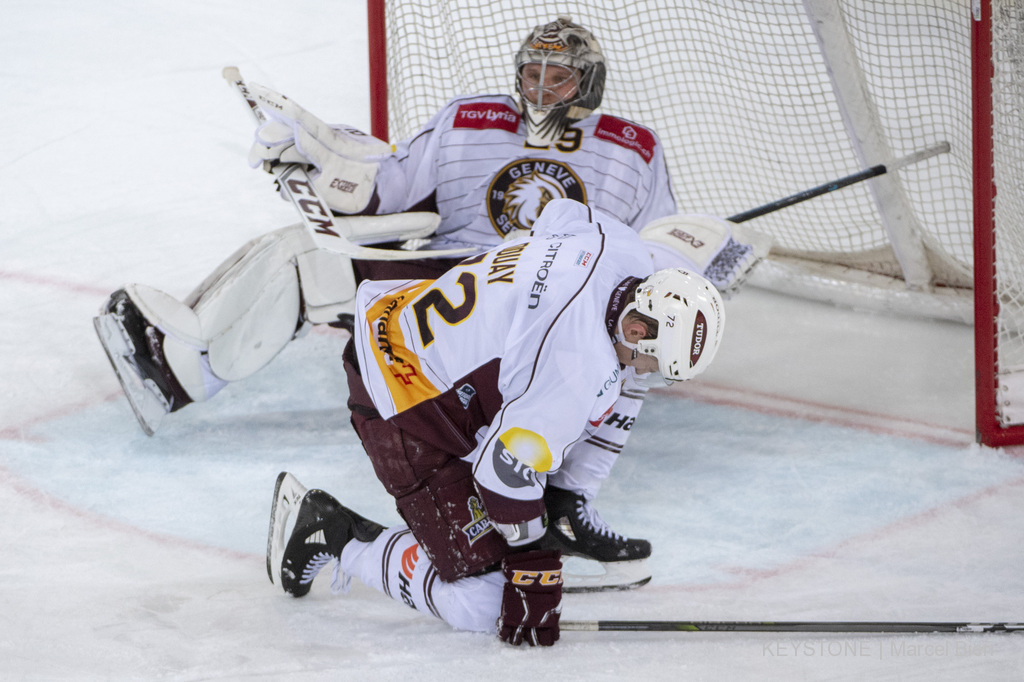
(345, 159)
(531, 602)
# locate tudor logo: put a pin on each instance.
(700, 327)
(521, 190)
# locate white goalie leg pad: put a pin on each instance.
(396, 565)
(589, 462)
(722, 251)
(184, 341)
(373, 229)
(249, 307)
(328, 285)
(326, 277)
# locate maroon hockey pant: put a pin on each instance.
(432, 487)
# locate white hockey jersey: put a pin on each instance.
(472, 165)
(534, 311)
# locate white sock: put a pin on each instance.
(396, 565)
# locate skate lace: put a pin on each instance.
(593, 521)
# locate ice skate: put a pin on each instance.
(606, 559)
(323, 526)
(288, 494)
(135, 350)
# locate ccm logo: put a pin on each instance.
(545, 578)
(319, 217)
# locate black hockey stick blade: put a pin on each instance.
(860, 176)
(849, 627)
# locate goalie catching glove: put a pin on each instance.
(531, 603)
(724, 252)
(345, 159)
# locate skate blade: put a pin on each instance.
(585, 575)
(144, 397)
(288, 494)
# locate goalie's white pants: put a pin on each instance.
(397, 566)
(250, 307)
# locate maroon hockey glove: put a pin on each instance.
(531, 602)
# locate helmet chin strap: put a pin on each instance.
(620, 335)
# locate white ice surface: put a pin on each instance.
(823, 469)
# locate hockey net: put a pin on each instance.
(758, 101)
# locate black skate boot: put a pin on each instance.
(135, 350)
(322, 529)
(575, 528)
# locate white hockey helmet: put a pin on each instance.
(690, 318)
(565, 44)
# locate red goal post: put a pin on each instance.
(997, 41)
(757, 101)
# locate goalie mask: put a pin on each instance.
(685, 318)
(559, 77)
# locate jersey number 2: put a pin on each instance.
(435, 298)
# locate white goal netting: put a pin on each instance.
(755, 101)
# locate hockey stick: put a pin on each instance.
(867, 173)
(849, 627)
(316, 215)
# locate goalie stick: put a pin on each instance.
(847, 627)
(316, 215)
(853, 178)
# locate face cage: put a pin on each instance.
(542, 91)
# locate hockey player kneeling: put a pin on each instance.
(468, 393)
(169, 354)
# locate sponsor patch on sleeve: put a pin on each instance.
(486, 116)
(628, 135)
(518, 455)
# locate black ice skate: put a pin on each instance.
(135, 350)
(323, 526)
(575, 528)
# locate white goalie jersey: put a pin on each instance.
(534, 310)
(471, 164)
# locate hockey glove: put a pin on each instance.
(343, 158)
(722, 251)
(532, 598)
